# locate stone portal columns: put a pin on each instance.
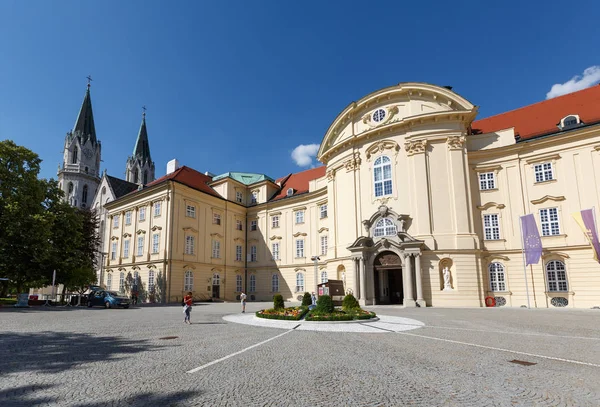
(418, 276)
(409, 297)
(363, 280)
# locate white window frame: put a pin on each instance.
(487, 181)
(275, 250)
(116, 221)
(142, 214)
(150, 280)
(140, 246)
(380, 179)
(556, 275)
(299, 217)
(238, 283)
(550, 221)
(238, 253)
(109, 282)
(121, 282)
(299, 282)
(299, 248)
(275, 283)
(385, 227)
(155, 243)
(543, 172)
(126, 247)
(323, 211)
(216, 218)
(190, 244)
(128, 218)
(157, 209)
(491, 226)
(324, 241)
(254, 198)
(239, 197)
(253, 225)
(190, 211)
(253, 256)
(324, 277)
(497, 277)
(275, 221)
(238, 225)
(252, 284)
(216, 249)
(188, 282)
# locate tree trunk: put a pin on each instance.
(4, 289)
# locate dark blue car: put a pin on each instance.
(107, 299)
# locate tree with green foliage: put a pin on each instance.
(350, 303)
(306, 300)
(325, 304)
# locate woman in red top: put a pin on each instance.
(187, 307)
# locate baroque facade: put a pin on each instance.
(417, 203)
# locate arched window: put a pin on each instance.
(252, 287)
(188, 281)
(497, 277)
(382, 176)
(75, 154)
(324, 277)
(109, 282)
(557, 276)
(275, 283)
(238, 283)
(84, 195)
(299, 282)
(216, 279)
(70, 188)
(145, 177)
(384, 227)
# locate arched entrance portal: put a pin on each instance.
(387, 278)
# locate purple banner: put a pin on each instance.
(588, 220)
(532, 244)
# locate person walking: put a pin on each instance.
(243, 298)
(187, 308)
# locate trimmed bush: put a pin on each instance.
(306, 300)
(350, 303)
(280, 313)
(324, 305)
(278, 302)
(315, 316)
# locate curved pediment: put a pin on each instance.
(388, 109)
(491, 205)
(548, 198)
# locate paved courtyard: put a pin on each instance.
(448, 357)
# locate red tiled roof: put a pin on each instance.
(543, 117)
(190, 177)
(299, 181)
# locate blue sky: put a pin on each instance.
(238, 85)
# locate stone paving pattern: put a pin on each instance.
(97, 357)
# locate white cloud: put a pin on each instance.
(303, 154)
(590, 77)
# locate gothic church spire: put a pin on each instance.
(140, 168)
(84, 126)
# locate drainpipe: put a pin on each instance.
(246, 254)
(171, 221)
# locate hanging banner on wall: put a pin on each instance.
(586, 221)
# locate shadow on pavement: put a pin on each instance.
(180, 398)
(52, 352)
(23, 396)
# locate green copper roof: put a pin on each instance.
(246, 178)
(84, 126)
(142, 146)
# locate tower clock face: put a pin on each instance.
(87, 152)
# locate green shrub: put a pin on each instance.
(349, 303)
(278, 301)
(316, 316)
(325, 304)
(271, 313)
(306, 300)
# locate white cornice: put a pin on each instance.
(551, 157)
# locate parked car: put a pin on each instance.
(107, 299)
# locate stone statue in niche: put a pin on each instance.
(401, 223)
(447, 284)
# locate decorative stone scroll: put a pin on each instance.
(415, 147)
(353, 163)
(456, 142)
(330, 175)
(380, 147)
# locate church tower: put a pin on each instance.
(79, 175)
(140, 167)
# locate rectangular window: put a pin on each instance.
(253, 225)
(238, 253)
(142, 213)
(300, 248)
(121, 282)
(543, 172)
(254, 197)
(238, 283)
(549, 221)
(216, 249)
(252, 253)
(128, 218)
(275, 251)
(140, 246)
(126, 248)
(239, 197)
(116, 221)
(157, 208)
(487, 180)
(217, 218)
(113, 251)
(252, 288)
(190, 211)
(189, 244)
(151, 280)
(275, 221)
(299, 216)
(155, 240)
(275, 283)
(323, 245)
(109, 282)
(491, 227)
(323, 210)
(238, 225)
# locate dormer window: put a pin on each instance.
(290, 192)
(569, 122)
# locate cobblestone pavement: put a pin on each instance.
(461, 357)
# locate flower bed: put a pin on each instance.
(290, 314)
(339, 315)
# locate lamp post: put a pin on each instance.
(316, 259)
